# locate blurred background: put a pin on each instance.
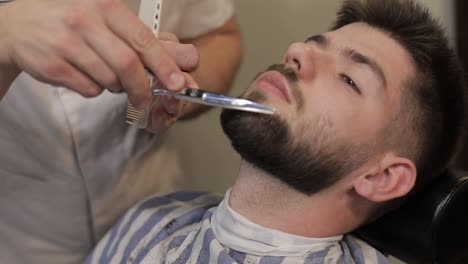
(267, 27)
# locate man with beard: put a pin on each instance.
(366, 115)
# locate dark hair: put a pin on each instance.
(428, 126)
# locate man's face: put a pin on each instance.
(334, 95)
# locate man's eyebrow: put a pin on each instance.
(353, 55)
(321, 40)
(363, 59)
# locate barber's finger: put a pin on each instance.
(140, 37)
(81, 83)
(185, 55)
(171, 104)
(121, 59)
(163, 66)
(168, 36)
(92, 65)
(61, 73)
(190, 81)
(49, 66)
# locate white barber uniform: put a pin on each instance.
(62, 156)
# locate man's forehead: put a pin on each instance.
(362, 34)
(393, 58)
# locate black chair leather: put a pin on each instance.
(432, 227)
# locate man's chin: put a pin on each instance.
(230, 119)
(240, 123)
(252, 134)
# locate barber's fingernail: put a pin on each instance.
(176, 81)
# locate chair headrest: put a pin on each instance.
(431, 227)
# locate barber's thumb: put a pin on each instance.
(168, 74)
(176, 81)
(185, 55)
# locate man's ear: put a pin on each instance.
(391, 178)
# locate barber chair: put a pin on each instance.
(431, 227)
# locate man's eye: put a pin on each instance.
(350, 83)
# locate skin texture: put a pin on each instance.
(358, 105)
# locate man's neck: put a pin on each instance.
(269, 202)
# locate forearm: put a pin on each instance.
(8, 70)
(220, 55)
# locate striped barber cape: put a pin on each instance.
(196, 227)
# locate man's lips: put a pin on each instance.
(275, 83)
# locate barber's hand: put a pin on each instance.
(90, 45)
(166, 109)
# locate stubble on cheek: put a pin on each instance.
(319, 132)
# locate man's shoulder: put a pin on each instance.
(177, 201)
(152, 226)
(181, 198)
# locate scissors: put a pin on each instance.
(218, 100)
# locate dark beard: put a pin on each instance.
(266, 142)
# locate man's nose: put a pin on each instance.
(300, 57)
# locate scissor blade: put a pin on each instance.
(217, 100)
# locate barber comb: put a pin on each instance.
(150, 14)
